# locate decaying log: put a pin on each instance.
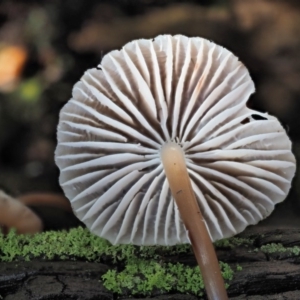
(52, 280)
(263, 275)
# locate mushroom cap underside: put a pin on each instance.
(172, 88)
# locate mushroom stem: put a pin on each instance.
(180, 184)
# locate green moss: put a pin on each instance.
(145, 269)
(234, 242)
(279, 248)
(143, 277)
(74, 244)
(77, 243)
(80, 243)
(239, 268)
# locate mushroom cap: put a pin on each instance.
(14, 214)
(171, 88)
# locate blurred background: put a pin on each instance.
(45, 46)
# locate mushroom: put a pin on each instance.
(46, 199)
(14, 214)
(35, 212)
(163, 120)
(53, 209)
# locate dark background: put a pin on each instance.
(45, 46)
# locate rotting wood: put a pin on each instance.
(263, 275)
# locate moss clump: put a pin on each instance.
(77, 243)
(143, 277)
(234, 242)
(239, 268)
(74, 244)
(144, 268)
(80, 243)
(279, 248)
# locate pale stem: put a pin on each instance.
(180, 185)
